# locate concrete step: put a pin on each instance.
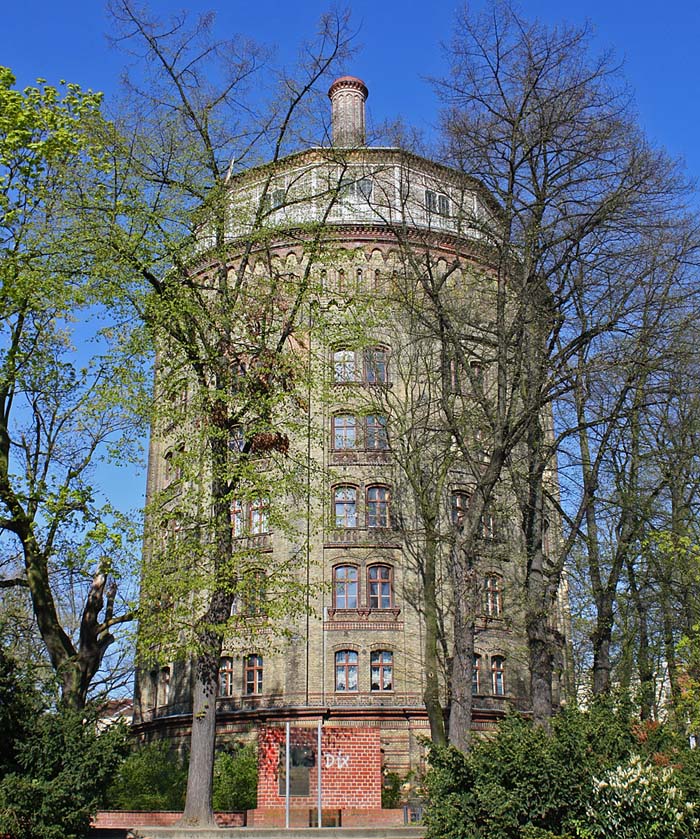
(277, 833)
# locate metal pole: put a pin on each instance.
(318, 770)
(286, 776)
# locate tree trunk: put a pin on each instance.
(463, 655)
(431, 695)
(200, 777)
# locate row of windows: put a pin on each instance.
(359, 191)
(345, 506)
(381, 674)
(370, 366)
(381, 670)
(346, 673)
(380, 587)
(252, 675)
(251, 517)
(351, 432)
(498, 674)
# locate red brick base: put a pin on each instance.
(117, 819)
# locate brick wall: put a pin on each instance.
(115, 819)
(351, 768)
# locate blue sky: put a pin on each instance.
(399, 44)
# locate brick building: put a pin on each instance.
(355, 659)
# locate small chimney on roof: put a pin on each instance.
(348, 95)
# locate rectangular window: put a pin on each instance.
(381, 670)
(344, 431)
(344, 366)
(345, 587)
(460, 500)
(377, 506)
(379, 587)
(345, 503)
(226, 677)
(237, 520)
(375, 432)
(443, 205)
(259, 516)
(253, 675)
(376, 366)
(431, 204)
(346, 671)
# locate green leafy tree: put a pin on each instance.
(62, 405)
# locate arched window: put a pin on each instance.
(375, 432)
(345, 587)
(346, 671)
(380, 586)
(476, 674)
(498, 675)
(458, 509)
(344, 431)
(344, 366)
(226, 677)
(378, 506)
(345, 506)
(253, 675)
(493, 595)
(381, 670)
(376, 366)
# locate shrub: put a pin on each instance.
(638, 801)
(525, 777)
(236, 778)
(63, 768)
(151, 778)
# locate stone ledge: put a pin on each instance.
(277, 833)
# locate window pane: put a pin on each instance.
(476, 675)
(345, 500)
(460, 501)
(346, 670)
(344, 368)
(377, 507)
(498, 675)
(375, 432)
(345, 587)
(376, 370)
(379, 581)
(381, 670)
(258, 516)
(344, 431)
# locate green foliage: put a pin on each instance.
(638, 801)
(236, 779)
(525, 777)
(63, 767)
(19, 703)
(151, 778)
(391, 791)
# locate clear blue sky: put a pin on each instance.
(399, 44)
